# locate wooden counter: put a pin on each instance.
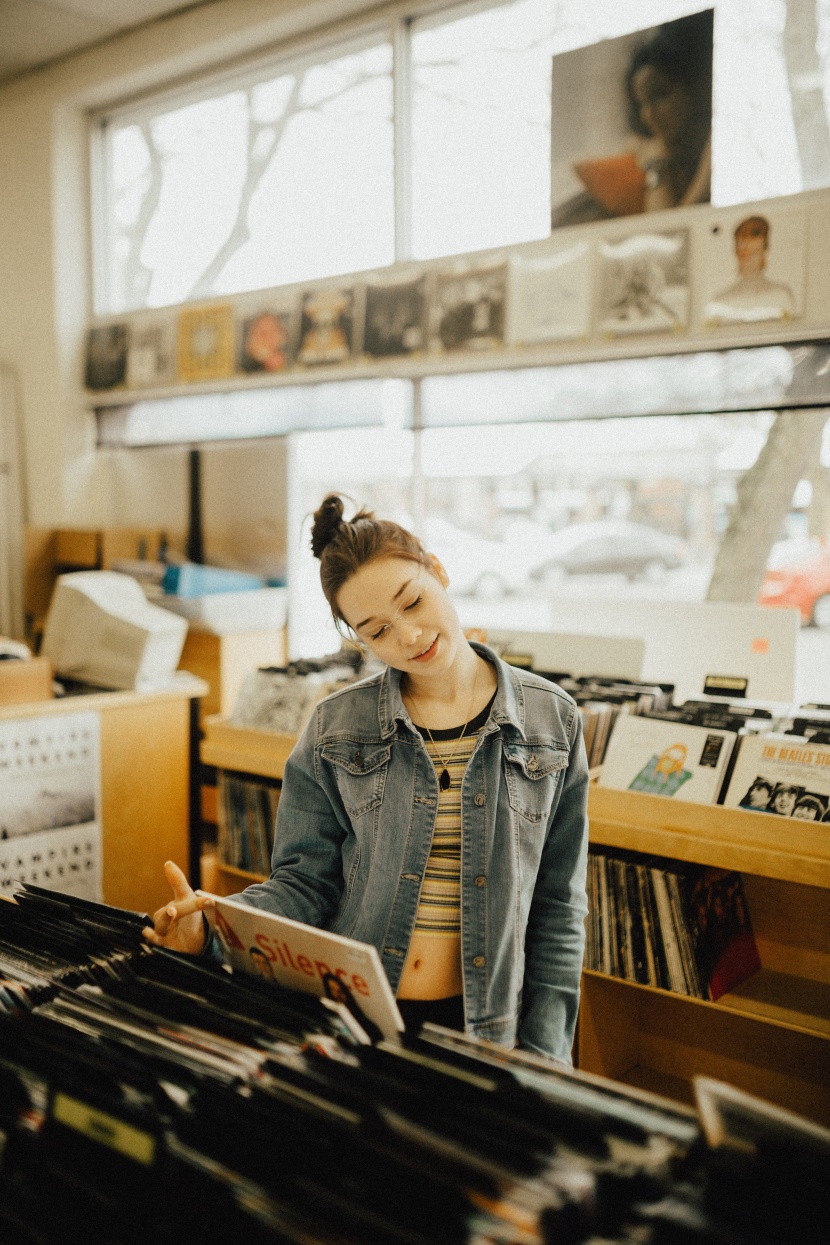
(149, 787)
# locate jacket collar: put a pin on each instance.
(508, 707)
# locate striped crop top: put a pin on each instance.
(439, 906)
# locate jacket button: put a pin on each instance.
(479, 961)
(479, 799)
(481, 880)
(533, 763)
(357, 760)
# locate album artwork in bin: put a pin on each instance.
(754, 268)
(550, 296)
(151, 353)
(106, 356)
(786, 775)
(265, 337)
(644, 284)
(395, 318)
(666, 758)
(631, 123)
(326, 326)
(304, 958)
(468, 308)
(205, 343)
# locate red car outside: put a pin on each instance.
(802, 583)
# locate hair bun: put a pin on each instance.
(328, 519)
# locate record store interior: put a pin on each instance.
(415, 622)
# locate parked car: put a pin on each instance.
(610, 547)
(478, 566)
(799, 577)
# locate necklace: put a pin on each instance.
(444, 780)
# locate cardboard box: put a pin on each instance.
(25, 681)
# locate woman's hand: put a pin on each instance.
(179, 925)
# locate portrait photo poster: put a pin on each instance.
(265, 336)
(631, 121)
(550, 296)
(467, 311)
(753, 267)
(644, 284)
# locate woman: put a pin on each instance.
(668, 92)
(437, 810)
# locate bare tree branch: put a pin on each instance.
(137, 276)
(765, 494)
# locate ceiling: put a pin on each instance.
(35, 32)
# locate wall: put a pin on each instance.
(45, 296)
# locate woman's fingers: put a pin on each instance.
(177, 881)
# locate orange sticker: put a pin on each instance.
(760, 644)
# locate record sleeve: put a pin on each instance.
(205, 343)
(786, 775)
(311, 960)
(667, 758)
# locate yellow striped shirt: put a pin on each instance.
(439, 907)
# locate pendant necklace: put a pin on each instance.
(444, 780)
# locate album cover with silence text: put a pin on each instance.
(307, 959)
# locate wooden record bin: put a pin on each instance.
(770, 1035)
(242, 750)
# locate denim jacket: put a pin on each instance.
(354, 828)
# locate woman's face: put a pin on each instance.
(665, 104)
(400, 610)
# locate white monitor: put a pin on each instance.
(101, 629)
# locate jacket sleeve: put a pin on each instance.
(555, 938)
(306, 881)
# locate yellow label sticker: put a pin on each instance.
(106, 1129)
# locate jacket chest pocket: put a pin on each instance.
(533, 772)
(360, 773)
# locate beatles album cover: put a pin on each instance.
(205, 343)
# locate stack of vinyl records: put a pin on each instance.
(667, 924)
(247, 813)
(602, 700)
(167, 1099)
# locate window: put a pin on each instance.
(283, 176)
(286, 173)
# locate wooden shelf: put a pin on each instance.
(730, 838)
(772, 998)
(241, 748)
(770, 1035)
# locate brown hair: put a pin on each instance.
(753, 227)
(344, 546)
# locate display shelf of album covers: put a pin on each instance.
(770, 1035)
(242, 751)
